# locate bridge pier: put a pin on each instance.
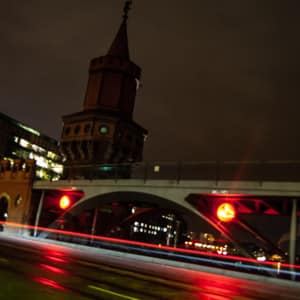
(293, 237)
(38, 214)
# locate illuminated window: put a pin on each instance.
(51, 155)
(57, 168)
(103, 129)
(156, 168)
(24, 143)
(37, 148)
(41, 173)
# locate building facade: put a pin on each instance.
(20, 141)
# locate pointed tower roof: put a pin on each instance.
(119, 46)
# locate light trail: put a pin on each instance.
(53, 269)
(50, 283)
(225, 260)
(97, 288)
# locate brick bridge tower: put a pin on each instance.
(104, 131)
(16, 179)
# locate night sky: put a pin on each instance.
(220, 78)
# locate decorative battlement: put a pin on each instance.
(17, 169)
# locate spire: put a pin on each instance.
(119, 46)
(126, 9)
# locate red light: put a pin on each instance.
(52, 269)
(55, 259)
(49, 282)
(64, 202)
(226, 212)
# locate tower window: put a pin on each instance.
(67, 131)
(87, 128)
(103, 129)
(77, 129)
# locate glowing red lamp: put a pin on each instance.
(64, 202)
(226, 212)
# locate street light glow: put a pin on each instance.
(64, 202)
(226, 212)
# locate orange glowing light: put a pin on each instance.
(64, 202)
(226, 212)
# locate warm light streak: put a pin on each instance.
(148, 245)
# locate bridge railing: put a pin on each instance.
(207, 170)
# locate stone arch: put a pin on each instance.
(4, 205)
(7, 198)
(124, 196)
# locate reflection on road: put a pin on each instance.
(79, 274)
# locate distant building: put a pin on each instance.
(104, 131)
(19, 141)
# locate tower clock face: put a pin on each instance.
(103, 129)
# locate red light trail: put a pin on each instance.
(148, 245)
(50, 283)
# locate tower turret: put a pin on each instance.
(104, 131)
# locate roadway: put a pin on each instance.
(32, 269)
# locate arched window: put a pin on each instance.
(3, 210)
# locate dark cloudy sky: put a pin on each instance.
(220, 78)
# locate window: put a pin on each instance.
(87, 128)
(67, 130)
(103, 129)
(77, 129)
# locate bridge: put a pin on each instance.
(260, 188)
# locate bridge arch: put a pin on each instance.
(125, 196)
(136, 215)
